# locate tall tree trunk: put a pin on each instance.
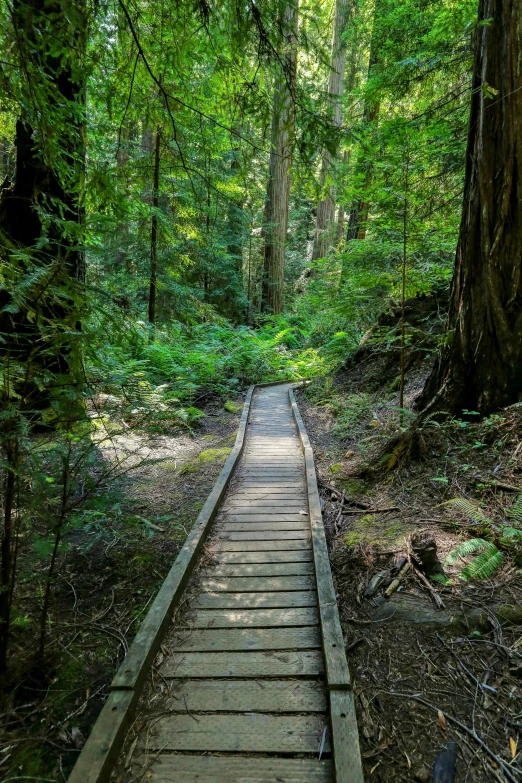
(480, 368)
(324, 233)
(358, 218)
(40, 216)
(278, 187)
(154, 231)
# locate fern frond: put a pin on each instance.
(442, 578)
(483, 566)
(469, 548)
(515, 513)
(468, 507)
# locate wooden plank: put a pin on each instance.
(276, 492)
(294, 663)
(246, 733)
(246, 696)
(278, 503)
(345, 738)
(256, 600)
(244, 639)
(100, 752)
(246, 525)
(234, 517)
(261, 569)
(258, 546)
(337, 673)
(233, 769)
(254, 618)
(294, 556)
(263, 535)
(239, 584)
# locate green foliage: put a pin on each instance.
(468, 507)
(515, 513)
(484, 565)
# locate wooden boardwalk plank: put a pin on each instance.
(254, 584)
(256, 600)
(254, 618)
(259, 546)
(246, 733)
(262, 569)
(234, 516)
(244, 639)
(296, 556)
(293, 663)
(181, 768)
(263, 535)
(246, 525)
(246, 696)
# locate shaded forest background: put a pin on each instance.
(195, 197)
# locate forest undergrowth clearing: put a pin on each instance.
(423, 675)
(114, 561)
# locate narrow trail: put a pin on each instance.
(248, 690)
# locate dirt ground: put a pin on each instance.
(108, 573)
(424, 676)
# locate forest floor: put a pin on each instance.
(108, 573)
(423, 676)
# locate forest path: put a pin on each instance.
(252, 684)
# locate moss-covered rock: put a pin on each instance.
(232, 407)
(206, 457)
(371, 530)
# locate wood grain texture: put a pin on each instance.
(238, 584)
(246, 696)
(263, 569)
(254, 618)
(293, 663)
(246, 733)
(296, 556)
(181, 768)
(256, 600)
(257, 546)
(244, 639)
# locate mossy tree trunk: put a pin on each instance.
(480, 366)
(325, 219)
(278, 187)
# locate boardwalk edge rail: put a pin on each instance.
(343, 722)
(101, 750)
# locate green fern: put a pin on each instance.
(515, 513)
(484, 565)
(468, 548)
(468, 507)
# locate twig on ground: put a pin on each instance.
(470, 732)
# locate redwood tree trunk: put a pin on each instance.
(480, 368)
(278, 188)
(324, 225)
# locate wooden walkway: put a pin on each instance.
(248, 696)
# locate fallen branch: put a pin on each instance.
(470, 732)
(372, 510)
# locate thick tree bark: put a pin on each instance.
(480, 367)
(40, 215)
(278, 187)
(324, 225)
(154, 231)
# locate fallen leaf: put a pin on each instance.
(349, 454)
(442, 720)
(513, 747)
